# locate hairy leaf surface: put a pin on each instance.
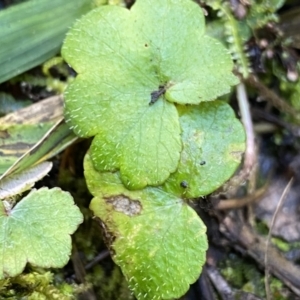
(37, 230)
(213, 144)
(154, 236)
(132, 66)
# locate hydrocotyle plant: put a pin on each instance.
(147, 87)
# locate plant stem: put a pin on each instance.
(250, 153)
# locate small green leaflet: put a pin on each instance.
(37, 230)
(213, 144)
(155, 237)
(133, 66)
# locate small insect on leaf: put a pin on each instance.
(184, 184)
(156, 94)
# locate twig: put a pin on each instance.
(204, 287)
(220, 283)
(271, 96)
(247, 241)
(293, 129)
(78, 265)
(250, 153)
(280, 203)
(87, 292)
(223, 288)
(98, 258)
(238, 203)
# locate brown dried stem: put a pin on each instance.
(280, 203)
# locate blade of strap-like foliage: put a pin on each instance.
(32, 32)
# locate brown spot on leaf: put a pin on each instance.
(237, 155)
(125, 205)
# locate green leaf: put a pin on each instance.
(37, 230)
(27, 145)
(32, 32)
(196, 67)
(213, 144)
(271, 5)
(24, 180)
(150, 146)
(155, 237)
(16, 140)
(133, 66)
(30, 135)
(56, 139)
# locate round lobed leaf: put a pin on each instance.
(37, 230)
(144, 150)
(133, 65)
(156, 238)
(213, 144)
